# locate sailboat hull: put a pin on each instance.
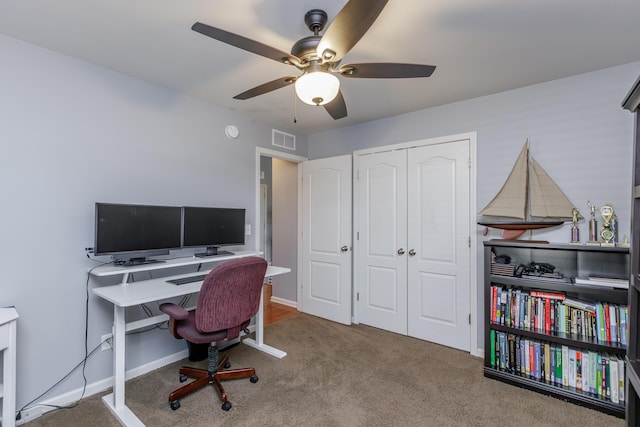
(529, 225)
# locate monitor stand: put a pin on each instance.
(212, 251)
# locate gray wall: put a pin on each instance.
(73, 134)
(577, 131)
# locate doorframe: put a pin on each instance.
(266, 152)
(473, 236)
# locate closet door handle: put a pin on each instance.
(412, 252)
(345, 248)
(400, 251)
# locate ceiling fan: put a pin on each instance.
(319, 56)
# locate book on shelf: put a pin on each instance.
(492, 354)
(578, 370)
(572, 367)
(621, 391)
(613, 370)
(603, 282)
(593, 360)
(582, 305)
(586, 371)
(606, 388)
(565, 365)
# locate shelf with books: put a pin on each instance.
(554, 314)
(557, 317)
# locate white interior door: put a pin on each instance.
(326, 238)
(438, 242)
(382, 240)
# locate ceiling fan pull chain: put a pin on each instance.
(295, 105)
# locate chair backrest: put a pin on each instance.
(230, 295)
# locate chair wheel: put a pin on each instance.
(226, 406)
(227, 365)
(175, 404)
(254, 379)
(183, 378)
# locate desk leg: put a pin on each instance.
(258, 343)
(115, 401)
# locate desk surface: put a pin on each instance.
(135, 293)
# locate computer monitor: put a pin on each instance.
(212, 228)
(131, 233)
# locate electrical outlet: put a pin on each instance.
(247, 229)
(106, 342)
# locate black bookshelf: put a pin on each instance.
(570, 261)
(631, 103)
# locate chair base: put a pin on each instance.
(203, 378)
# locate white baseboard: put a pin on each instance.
(283, 301)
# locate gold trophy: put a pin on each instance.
(575, 231)
(607, 232)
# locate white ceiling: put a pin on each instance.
(480, 47)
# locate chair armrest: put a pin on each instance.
(174, 311)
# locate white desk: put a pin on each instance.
(126, 295)
(8, 318)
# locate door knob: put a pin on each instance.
(400, 251)
(344, 248)
(412, 252)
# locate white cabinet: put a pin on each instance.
(8, 317)
(412, 241)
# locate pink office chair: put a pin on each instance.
(229, 298)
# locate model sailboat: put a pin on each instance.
(528, 200)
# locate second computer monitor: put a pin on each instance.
(213, 228)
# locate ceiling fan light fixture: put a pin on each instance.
(317, 87)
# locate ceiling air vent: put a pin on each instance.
(282, 139)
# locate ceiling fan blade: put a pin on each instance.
(267, 87)
(348, 27)
(386, 70)
(337, 108)
(245, 43)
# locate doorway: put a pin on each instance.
(277, 219)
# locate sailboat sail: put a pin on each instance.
(528, 193)
(546, 198)
(511, 200)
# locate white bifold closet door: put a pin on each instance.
(413, 231)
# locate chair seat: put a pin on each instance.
(187, 329)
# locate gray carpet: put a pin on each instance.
(336, 375)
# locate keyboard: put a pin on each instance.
(185, 280)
